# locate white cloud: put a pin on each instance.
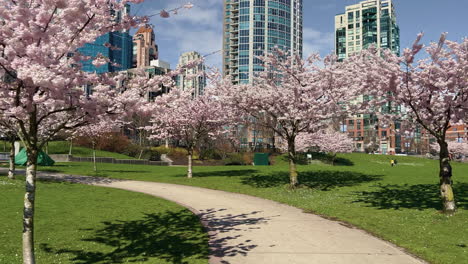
(197, 29)
(318, 42)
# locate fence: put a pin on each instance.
(70, 158)
(4, 156)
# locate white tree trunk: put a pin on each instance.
(11, 169)
(71, 147)
(94, 158)
(445, 175)
(189, 167)
(28, 212)
(293, 179)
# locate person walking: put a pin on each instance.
(392, 162)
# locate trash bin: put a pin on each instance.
(261, 159)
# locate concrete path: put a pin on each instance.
(245, 229)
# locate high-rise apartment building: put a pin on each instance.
(253, 27)
(370, 22)
(116, 46)
(144, 47)
(194, 78)
(366, 23)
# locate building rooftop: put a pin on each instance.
(145, 29)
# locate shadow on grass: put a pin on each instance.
(325, 158)
(322, 180)
(174, 237)
(419, 196)
(170, 236)
(226, 173)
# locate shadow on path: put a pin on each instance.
(175, 237)
(419, 196)
(322, 180)
(222, 245)
(170, 236)
(53, 177)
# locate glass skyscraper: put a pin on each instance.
(253, 27)
(120, 53)
(370, 22)
(366, 23)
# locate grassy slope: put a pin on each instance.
(63, 147)
(85, 224)
(399, 204)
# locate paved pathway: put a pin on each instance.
(245, 229)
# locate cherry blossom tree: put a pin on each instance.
(327, 141)
(432, 92)
(454, 148)
(39, 41)
(293, 96)
(179, 116)
(94, 132)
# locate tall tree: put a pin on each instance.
(431, 91)
(179, 116)
(39, 40)
(95, 131)
(293, 96)
(327, 141)
(454, 148)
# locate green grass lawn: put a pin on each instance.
(400, 204)
(63, 147)
(85, 224)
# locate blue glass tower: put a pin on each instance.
(120, 53)
(253, 27)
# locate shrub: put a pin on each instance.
(132, 150)
(207, 154)
(234, 159)
(177, 153)
(245, 158)
(154, 155)
(112, 142)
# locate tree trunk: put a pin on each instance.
(333, 159)
(141, 154)
(71, 147)
(445, 175)
(189, 167)
(141, 137)
(28, 212)
(94, 157)
(293, 181)
(11, 170)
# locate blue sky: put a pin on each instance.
(200, 28)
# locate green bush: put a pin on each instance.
(245, 158)
(132, 150)
(154, 156)
(161, 149)
(210, 154)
